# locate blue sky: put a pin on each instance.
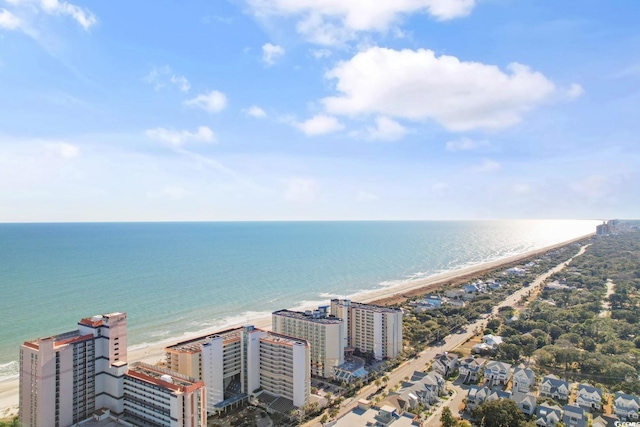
(318, 109)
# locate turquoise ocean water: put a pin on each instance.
(177, 278)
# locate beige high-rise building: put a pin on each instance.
(324, 333)
(66, 377)
(370, 328)
(156, 396)
(237, 362)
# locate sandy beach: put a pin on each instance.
(154, 353)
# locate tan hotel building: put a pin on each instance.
(324, 334)
(241, 360)
(370, 328)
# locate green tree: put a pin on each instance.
(499, 413)
(447, 419)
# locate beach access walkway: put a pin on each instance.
(450, 342)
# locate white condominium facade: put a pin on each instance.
(66, 377)
(370, 328)
(239, 361)
(324, 333)
(156, 396)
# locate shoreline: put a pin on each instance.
(154, 352)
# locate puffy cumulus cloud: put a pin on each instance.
(333, 21)
(62, 149)
(386, 129)
(465, 144)
(487, 165)
(212, 102)
(271, 53)
(84, 17)
(178, 138)
(300, 189)
(255, 111)
(8, 20)
(319, 125)
(418, 85)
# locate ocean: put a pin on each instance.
(178, 278)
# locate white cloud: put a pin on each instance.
(386, 130)
(63, 149)
(213, 102)
(255, 111)
(334, 21)
(160, 76)
(85, 18)
(319, 125)
(320, 53)
(575, 91)
(300, 190)
(8, 20)
(487, 165)
(271, 53)
(179, 138)
(418, 85)
(363, 196)
(465, 144)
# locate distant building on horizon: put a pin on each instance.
(370, 328)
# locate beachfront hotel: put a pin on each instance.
(236, 362)
(324, 333)
(155, 396)
(66, 377)
(370, 328)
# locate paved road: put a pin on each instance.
(450, 342)
(606, 305)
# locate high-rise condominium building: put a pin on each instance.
(370, 328)
(155, 396)
(324, 334)
(65, 378)
(235, 363)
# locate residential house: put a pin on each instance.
(422, 388)
(494, 285)
(574, 416)
(548, 416)
(492, 340)
(471, 288)
(365, 414)
(589, 397)
(525, 401)
(476, 396)
(605, 421)
(445, 363)
(555, 388)
(516, 271)
(523, 379)
(626, 406)
(471, 368)
(435, 300)
(497, 372)
(454, 293)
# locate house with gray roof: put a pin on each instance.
(478, 395)
(445, 363)
(574, 416)
(525, 401)
(421, 388)
(589, 397)
(626, 406)
(554, 388)
(548, 416)
(605, 421)
(523, 379)
(471, 368)
(497, 372)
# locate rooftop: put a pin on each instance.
(371, 307)
(308, 317)
(163, 377)
(193, 345)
